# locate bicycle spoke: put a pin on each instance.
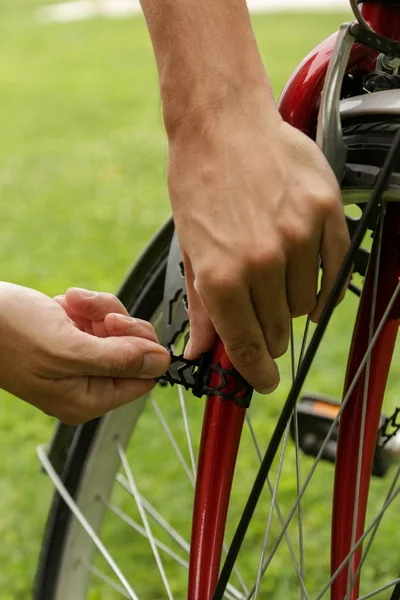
(367, 531)
(253, 435)
(271, 511)
(149, 508)
(237, 573)
(277, 508)
(105, 579)
(304, 340)
(334, 424)
(187, 429)
(268, 527)
(142, 512)
(192, 478)
(134, 525)
(374, 532)
(193, 462)
(156, 516)
(297, 452)
(62, 490)
(381, 589)
(172, 440)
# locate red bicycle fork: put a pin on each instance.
(222, 429)
(347, 505)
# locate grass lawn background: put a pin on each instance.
(82, 189)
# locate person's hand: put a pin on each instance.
(56, 355)
(255, 203)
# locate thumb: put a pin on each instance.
(202, 332)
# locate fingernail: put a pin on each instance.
(188, 349)
(124, 319)
(84, 293)
(268, 390)
(154, 364)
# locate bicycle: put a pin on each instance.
(356, 123)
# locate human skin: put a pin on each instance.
(77, 356)
(254, 201)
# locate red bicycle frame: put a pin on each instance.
(223, 421)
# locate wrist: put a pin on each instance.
(192, 113)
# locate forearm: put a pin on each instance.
(206, 55)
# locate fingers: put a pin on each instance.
(335, 244)
(271, 307)
(202, 331)
(93, 306)
(301, 281)
(120, 325)
(230, 307)
(127, 356)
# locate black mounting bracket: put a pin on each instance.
(202, 377)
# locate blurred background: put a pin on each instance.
(82, 184)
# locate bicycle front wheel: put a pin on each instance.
(123, 524)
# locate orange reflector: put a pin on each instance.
(326, 409)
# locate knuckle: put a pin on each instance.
(326, 203)
(277, 329)
(104, 303)
(100, 306)
(246, 352)
(266, 256)
(296, 233)
(111, 301)
(217, 282)
(303, 307)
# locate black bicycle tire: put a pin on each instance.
(147, 273)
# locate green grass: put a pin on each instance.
(82, 188)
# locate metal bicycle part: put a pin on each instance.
(332, 109)
(329, 129)
(359, 17)
(384, 103)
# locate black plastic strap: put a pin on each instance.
(196, 375)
